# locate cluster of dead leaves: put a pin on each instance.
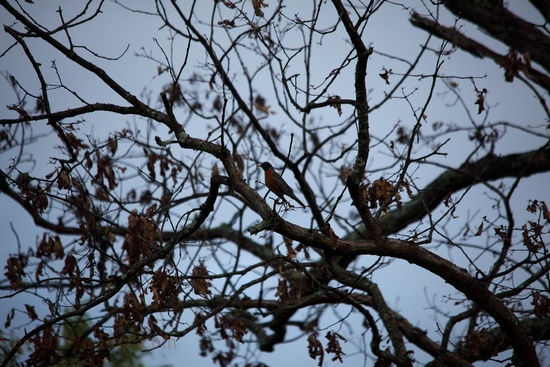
(230, 327)
(315, 347)
(33, 194)
(232, 324)
(292, 252)
(258, 5)
(16, 270)
(103, 347)
(513, 63)
(383, 191)
(105, 174)
(48, 351)
(140, 241)
(541, 207)
(74, 143)
(206, 346)
(289, 286)
(167, 167)
(199, 281)
(81, 204)
(50, 245)
(502, 232)
(131, 317)
(173, 93)
(532, 231)
(45, 348)
(532, 236)
(72, 269)
(542, 305)
(260, 104)
(165, 289)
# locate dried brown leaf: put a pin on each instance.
(386, 75)
(282, 291)
(479, 230)
(290, 252)
(228, 23)
(335, 103)
(199, 283)
(261, 105)
(334, 346)
(542, 305)
(258, 5)
(31, 312)
(152, 322)
(15, 271)
(63, 181)
(70, 266)
(480, 101)
(113, 145)
(315, 348)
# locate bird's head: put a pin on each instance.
(266, 166)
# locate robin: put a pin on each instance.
(277, 184)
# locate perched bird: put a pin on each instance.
(277, 184)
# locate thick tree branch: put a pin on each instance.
(362, 110)
(485, 169)
(505, 26)
(488, 343)
(475, 48)
(524, 351)
(543, 6)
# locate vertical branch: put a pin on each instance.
(362, 107)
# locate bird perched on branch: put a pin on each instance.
(277, 184)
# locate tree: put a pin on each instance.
(73, 337)
(152, 214)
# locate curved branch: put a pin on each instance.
(488, 343)
(485, 169)
(505, 26)
(72, 112)
(524, 351)
(475, 48)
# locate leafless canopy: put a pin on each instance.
(137, 165)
